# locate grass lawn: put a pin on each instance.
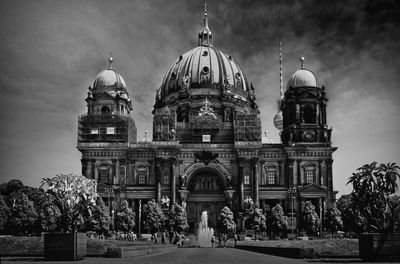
(322, 247)
(26, 245)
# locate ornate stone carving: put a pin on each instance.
(205, 157)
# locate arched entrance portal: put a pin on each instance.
(206, 193)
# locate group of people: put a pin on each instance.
(174, 238)
(223, 238)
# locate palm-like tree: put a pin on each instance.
(373, 185)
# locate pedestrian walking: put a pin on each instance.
(163, 238)
(212, 241)
(235, 237)
(155, 239)
(171, 235)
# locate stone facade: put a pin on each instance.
(206, 151)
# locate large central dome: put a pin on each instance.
(205, 93)
(203, 67)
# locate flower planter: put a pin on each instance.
(64, 246)
(379, 246)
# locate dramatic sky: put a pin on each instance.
(50, 51)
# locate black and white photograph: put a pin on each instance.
(199, 131)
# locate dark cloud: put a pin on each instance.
(51, 52)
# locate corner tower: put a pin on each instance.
(304, 109)
(106, 126)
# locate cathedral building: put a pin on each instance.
(206, 151)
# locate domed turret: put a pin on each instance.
(302, 78)
(304, 110)
(108, 116)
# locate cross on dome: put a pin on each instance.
(302, 59)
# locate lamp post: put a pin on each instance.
(292, 191)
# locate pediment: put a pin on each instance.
(312, 187)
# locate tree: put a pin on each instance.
(351, 218)
(49, 214)
(276, 220)
(256, 221)
(74, 196)
(99, 220)
(13, 186)
(176, 218)
(125, 218)
(226, 223)
(373, 186)
(22, 214)
(153, 217)
(309, 218)
(333, 219)
(4, 212)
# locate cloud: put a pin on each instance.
(52, 50)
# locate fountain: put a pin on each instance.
(204, 233)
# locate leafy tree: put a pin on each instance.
(22, 214)
(49, 214)
(74, 196)
(373, 186)
(226, 224)
(99, 219)
(125, 218)
(256, 221)
(153, 217)
(333, 219)
(276, 220)
(4, 212)
(352, 220)
(309, 218)
(395, 200)
(13, 186)
(176, 218)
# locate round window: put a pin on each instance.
(205, 53)
(237, 75)
(206, 69)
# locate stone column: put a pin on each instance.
(323, 172)
(255, 182)
(295, 168)
(89, 169)
(173, 181)
(96, 170)
(158, 181)
(241, 186)
(317, 176)
(117, 172)
(282, 176)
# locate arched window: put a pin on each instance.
(271, 174)
(105, 110)
(309, 115)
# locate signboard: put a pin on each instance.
(206, 138)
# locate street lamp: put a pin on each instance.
(292, 191)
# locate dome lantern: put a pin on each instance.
(205, 35)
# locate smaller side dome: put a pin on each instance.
(107, 78)
(302, 78)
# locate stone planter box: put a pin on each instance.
(64, 246)
(378, 247)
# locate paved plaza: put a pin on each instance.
(193, 256)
